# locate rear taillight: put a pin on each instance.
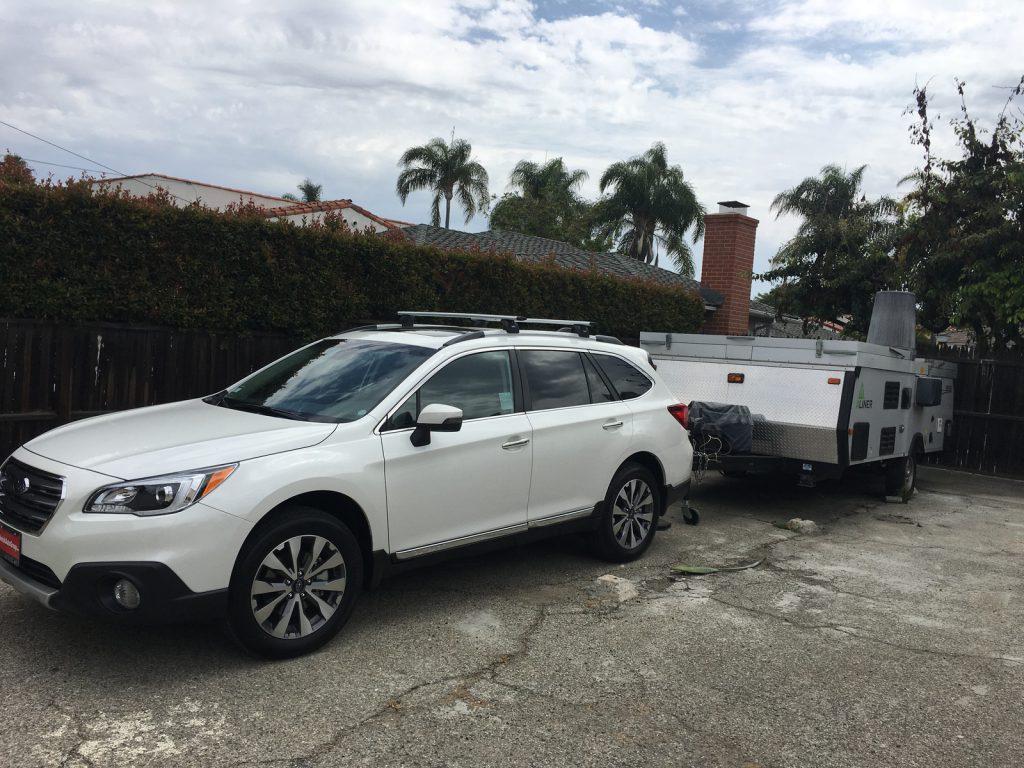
(680, 413)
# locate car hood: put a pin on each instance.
(174, 437)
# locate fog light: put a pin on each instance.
(127, 595)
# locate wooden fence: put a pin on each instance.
(52, 374)
(988, 417)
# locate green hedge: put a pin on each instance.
(69, 255)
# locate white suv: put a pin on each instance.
(275, 502)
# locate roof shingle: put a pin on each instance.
(536, 249)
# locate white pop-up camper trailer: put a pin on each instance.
(814, 407)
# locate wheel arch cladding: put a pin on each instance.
(650, 462)
(338, 505)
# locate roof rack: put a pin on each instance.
(509, 323)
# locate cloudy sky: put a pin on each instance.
(749, 95)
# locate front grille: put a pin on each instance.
(887, 441)
(28, 496)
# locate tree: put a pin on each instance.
(843, 250)
(14, 170)
(544, 201)
(310, 192)
(964, 245)
(448, 170)
(552, 179)
(650, 204)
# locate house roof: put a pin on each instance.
(293, 209)
(760, 308)
(189, 181)
(535, 249)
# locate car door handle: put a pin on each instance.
(612, 425)
(515, 443)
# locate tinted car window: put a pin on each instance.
(332, 380)
(627, 379)
(480, 384)
(556, 379)
(599, 391)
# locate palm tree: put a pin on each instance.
(552, 179)
(842, 250)
(650, 204)
(448, 170)
(310, 192)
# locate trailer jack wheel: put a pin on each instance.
(690, 515)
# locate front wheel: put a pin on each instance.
(295, 584)
(626, 526)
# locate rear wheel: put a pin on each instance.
(901, 478)
(295, 585)
(632, 505)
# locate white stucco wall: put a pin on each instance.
(357, 221)
(186, 192)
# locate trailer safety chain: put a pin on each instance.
(706, 449)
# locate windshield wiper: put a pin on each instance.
(266, 410)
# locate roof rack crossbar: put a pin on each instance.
(510, 323)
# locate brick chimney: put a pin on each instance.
(727, 266)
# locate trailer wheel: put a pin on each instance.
(901, 479)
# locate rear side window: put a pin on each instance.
(480, 384)
(627, 379)
(556, 379)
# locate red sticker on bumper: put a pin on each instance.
(10, 545)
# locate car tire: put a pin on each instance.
(295, 584)
(629, 515)
(901, 479)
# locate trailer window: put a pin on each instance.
(905, 398)
(892, 395)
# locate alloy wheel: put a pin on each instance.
(298, 587)
(633, 513)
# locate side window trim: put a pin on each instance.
(604, 377)
(518, 404)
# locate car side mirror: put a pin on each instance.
(435, 418)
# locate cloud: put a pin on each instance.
(261, 95)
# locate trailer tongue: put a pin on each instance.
(816, 407)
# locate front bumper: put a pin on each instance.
(26, 585)
(181, 563)
(88, 590)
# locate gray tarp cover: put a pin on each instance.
(732, 423)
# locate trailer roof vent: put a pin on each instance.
(894, 320)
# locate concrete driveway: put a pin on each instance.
(893, 637)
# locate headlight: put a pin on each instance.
(158, 495)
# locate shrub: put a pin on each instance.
(68, 254)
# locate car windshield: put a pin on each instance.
(333, 380)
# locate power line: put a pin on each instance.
(63, 149)
(58, 165)
(94, 162)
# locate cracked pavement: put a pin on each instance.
(892, 638)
